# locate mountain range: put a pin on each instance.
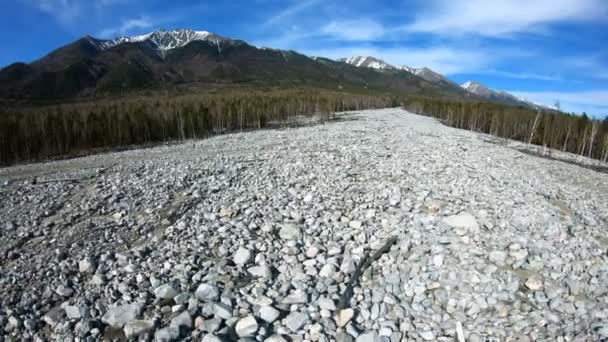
(473, 87)
(174, 58)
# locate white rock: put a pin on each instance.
(427, 335)
(207, 292)
(328, 270)
(290, 231)
(463, 220)
(86, 266)
(344, 316)
(326, 303)
(534, 284)
(354, 224)
(269, 314)
(498, 257)
(371, 336)
(262, 271)
(118, 316)
(312, 251)
(247, 326)
(296, 320)
(242, 256)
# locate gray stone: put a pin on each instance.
(165, 291)
(269, 314)
(138, 327)
(296, 320)
(371, 336)
(222, 310)
(167, 334)
(118, 316)
(210, 338)
(74, 311)
(296, 297)
(184, 319)
(290, 231)
(207, 292)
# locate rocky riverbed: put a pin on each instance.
(256, 236)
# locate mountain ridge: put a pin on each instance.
(160, 59)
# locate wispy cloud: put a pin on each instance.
(107, 3)
(64, 11)
(352, 30)
(522, 75)
(502, 17)
(592, 101)
(291, 10)
(126, 27)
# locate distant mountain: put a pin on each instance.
(428, 74)
(500, 96)
(424, 73)
(162, 59)
(367, 62)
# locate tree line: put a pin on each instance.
(65, 130)
(572, 133)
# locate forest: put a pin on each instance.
(73, 129)
(578, 134)
(40, 133)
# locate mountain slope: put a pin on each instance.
(499, 96)
(164, 59)
(428, 75)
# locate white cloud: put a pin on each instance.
(359, 29)
(503, 17)
(127, 26)
(592, 101)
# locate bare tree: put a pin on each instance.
(535, 126)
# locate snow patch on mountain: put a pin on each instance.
(367, 62)
(500, 96)
(165, 40)
(427, 74)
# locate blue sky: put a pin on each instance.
(543, 50)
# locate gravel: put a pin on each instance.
(258, 234)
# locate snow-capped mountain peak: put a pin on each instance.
(165, 40)
(367, 62)
(500, 96)
(427, 74)
(478, 89)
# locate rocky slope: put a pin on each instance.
(256, 235)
